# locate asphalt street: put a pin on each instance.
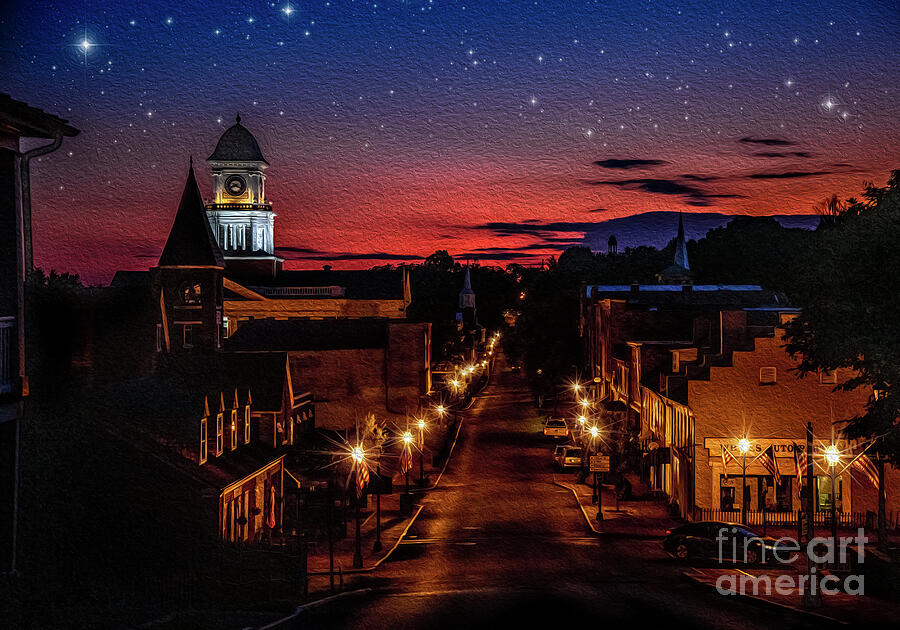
(498, 542)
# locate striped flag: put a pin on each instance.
(799, 468)
(727, 457)
(362, 479)
(405, 461)
(865, 466)
(770, 464)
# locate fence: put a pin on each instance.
(787, 519)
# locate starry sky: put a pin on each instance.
(498, 130)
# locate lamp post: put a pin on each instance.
(743, 447)
(598, 493)
(358, 461)
(581, 420)
(421, 424)
(441, 410)
(377, 546)
(407, 443)
(833, 457)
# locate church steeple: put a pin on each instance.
(679, 272)
(467, 295)
(191, 241)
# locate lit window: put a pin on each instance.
(233, 429)
(204, 441)
(190, 293)
(188, 336)
(247, 424)
(767, 375)
(219, 436)
(828, 377)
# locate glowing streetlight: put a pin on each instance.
(832, 455)
(358, 456)
(407, 444)
(743, 446)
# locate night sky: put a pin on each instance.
(496, 130)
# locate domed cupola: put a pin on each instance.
(237, 144)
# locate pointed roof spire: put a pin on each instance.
(467, 283)
(681, 256)
(237, 118)
(191, 241)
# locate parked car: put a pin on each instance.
(559, 448)
(570, 457)
(721, 541)
(556, 428)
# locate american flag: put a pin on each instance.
(799, 468)
(362, 479)
(405, 461)
(770, 464)
(865, 466)
(727, 456)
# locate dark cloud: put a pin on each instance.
(701, 178)
(769, 142)
(545, 231)
(598, 210)
(693, 195)
(774, 154)
(302, 253)
(787, 174)
(628, 163)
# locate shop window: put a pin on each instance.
(825, 495)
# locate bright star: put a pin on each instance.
(288, 10)
(85, 45)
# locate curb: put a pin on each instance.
(318, 602)
(587, 518)
(382, 558)
(765, 603)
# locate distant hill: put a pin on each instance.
(656, 229)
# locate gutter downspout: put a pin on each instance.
(25, 264)
(25, 172)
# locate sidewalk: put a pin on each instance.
(841, 607)
(642, 518)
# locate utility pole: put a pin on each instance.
(810, 599)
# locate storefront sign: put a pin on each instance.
(783, 447)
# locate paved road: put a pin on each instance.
(499, 541)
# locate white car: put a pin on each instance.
(570, 457)
(556, 428)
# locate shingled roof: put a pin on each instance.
(308, 334)
(20, 119)
(237, 144)
(191, 241)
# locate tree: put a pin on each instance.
(850, 306)
(440, 259)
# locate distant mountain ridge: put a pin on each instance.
(656, 229)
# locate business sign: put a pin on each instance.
(783, 447)
(599, 463)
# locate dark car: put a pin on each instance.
(729, 542)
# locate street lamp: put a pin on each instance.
(597, 496)
(833, 457)
(421, 424)
(441, 410)
(743, 447)
(407, 444)
(358, 456)
(581, 421)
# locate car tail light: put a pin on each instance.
(668, 531)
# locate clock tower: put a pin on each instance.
(240, 217)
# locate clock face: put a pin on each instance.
(235, 185)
